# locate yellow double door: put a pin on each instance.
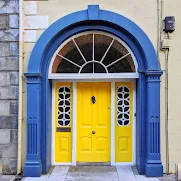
(93, 127)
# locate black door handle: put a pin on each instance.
(93, 99)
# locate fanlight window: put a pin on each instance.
(93, 52)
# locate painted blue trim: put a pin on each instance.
(146, 57)
(140, 124)
(32, 75)
(93, 12)
(33, 153)
(122, 22)
(153, 165)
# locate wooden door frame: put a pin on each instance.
(112, 119)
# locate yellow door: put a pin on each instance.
(93, 122)
(63, 122)
(124, 121)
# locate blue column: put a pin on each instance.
(33, 166)
(153, 165)
(140, 122)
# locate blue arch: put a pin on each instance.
(93, 13)
(39, 88)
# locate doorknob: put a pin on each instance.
(93, 99)
(93, 132)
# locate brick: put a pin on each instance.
(4, 108)
(14, 107)
(0, 166)
(14, 49)
(7, 7)
(4, 22)
(13, 21)
(9, 35)
(10, 150)
(14, 77)
(8, 122)
(13, 165)
(4, 79)
(14, 136)
(10, 92)
(9, 63)
(4, 49)
(4, 136)
(1, 148)
(9, 166)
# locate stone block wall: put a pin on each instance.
(8, 85)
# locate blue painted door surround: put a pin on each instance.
(38, 154)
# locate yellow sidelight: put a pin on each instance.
(123, 121)
(93, 122)
(63, 122)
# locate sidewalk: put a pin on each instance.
(94, 173)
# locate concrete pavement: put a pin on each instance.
(90, 173)
(93, 173)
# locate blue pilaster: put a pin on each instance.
(140, 123)
(33, 166)
(153, 165)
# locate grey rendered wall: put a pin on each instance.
(8, 85)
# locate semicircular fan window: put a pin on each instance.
(64, 97)
(93, 53)
(123, 105)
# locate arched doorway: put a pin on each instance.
(39, 85)
(96, 65)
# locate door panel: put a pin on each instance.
(124, 121)
(63, 122)
(93, 117)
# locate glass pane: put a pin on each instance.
(116, 51)
(98, 68)
(66, 67)
(120, 48)
(74, 55)
(121, 66)
(84, 42)
(61, 65)
(102, 43)
(88, 68)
